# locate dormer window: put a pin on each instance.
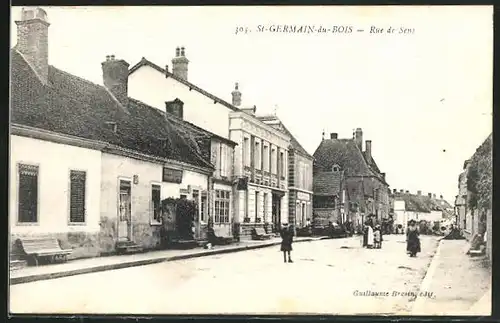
(112, 126)
(336, 168)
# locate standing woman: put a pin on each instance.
(412, 239)
(369, 236)
(286, 241)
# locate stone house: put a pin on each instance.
(364, 189)
(257, 190)
(300, 176)
(474, 200)
(89, 164)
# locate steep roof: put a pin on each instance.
(73, 106)
(146, 62)
(327, 183)
(344, 153)
(422, 203)
(293, 141)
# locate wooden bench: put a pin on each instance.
(260, 234)
(43, 248)
(218, 236)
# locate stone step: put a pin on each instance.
(17, 264)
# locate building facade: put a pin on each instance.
(117, 158)
(366, 190)
(300, 177)
(260, 168)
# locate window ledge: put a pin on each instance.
(27, 224)
(77, 223)
(155, 223)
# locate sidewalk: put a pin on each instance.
(89, 265)
(460, 284)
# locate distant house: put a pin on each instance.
(89, 165)
(364, 190)
(426, 209)
(300, 176)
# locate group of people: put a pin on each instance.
(372, 239)
(372, 236)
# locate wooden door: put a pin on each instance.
(125, 214)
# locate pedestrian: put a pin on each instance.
(286, 241)
(365, 235)
(412, 239)
(369, 236)
(377, 236)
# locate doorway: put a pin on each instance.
(276, 209)
(125, 214)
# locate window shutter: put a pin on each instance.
(28, 193)
(77, 196)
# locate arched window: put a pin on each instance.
(336, 168)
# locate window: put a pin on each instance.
(336, 168)
(77, 196)
(256, 206)
(222, 206)
(282, 164)
(156, 203)
(273, 161)
(28, 194)
(257, 155)
(204, 207)
(196, 197)
(246, 150)
(265, 156)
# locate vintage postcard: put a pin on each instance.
(330, 160)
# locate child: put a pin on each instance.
(377, 242)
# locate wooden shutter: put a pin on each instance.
(77, 196)
(28, 193)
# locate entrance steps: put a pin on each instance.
(127, 247)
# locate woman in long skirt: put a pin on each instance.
(412, 239)
(286, 241)
(369, 237)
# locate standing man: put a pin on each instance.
(286, 241)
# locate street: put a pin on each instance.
(327, 277)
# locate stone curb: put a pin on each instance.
(420, 301)
(33, 278)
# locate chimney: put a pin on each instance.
(358, 138)
(368, 149)
(236, 95)
(333, 135)
(180, 63)
(429, 194)
(250, 111)
(407, 192)
(441, 197)
(419, 192)
(175, 107)
(433, 195)
(383, 176)
(32, 40)
(115, 78)
(394, 191)
(401, 191)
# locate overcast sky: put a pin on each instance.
(424, 99)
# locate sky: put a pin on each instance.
(424, 98)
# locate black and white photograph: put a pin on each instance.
(256, 160)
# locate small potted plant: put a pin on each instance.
(258, 220)
(246, 220)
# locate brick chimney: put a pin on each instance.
(333, 135)
(358, 138)
(429, 194)
(441, 197)
(236, 95)
(180, 63)
(401, 191)
(368, 149)
(115, 78)
(175, 107)
(419, 192)
(433, 195)
(33, 40)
